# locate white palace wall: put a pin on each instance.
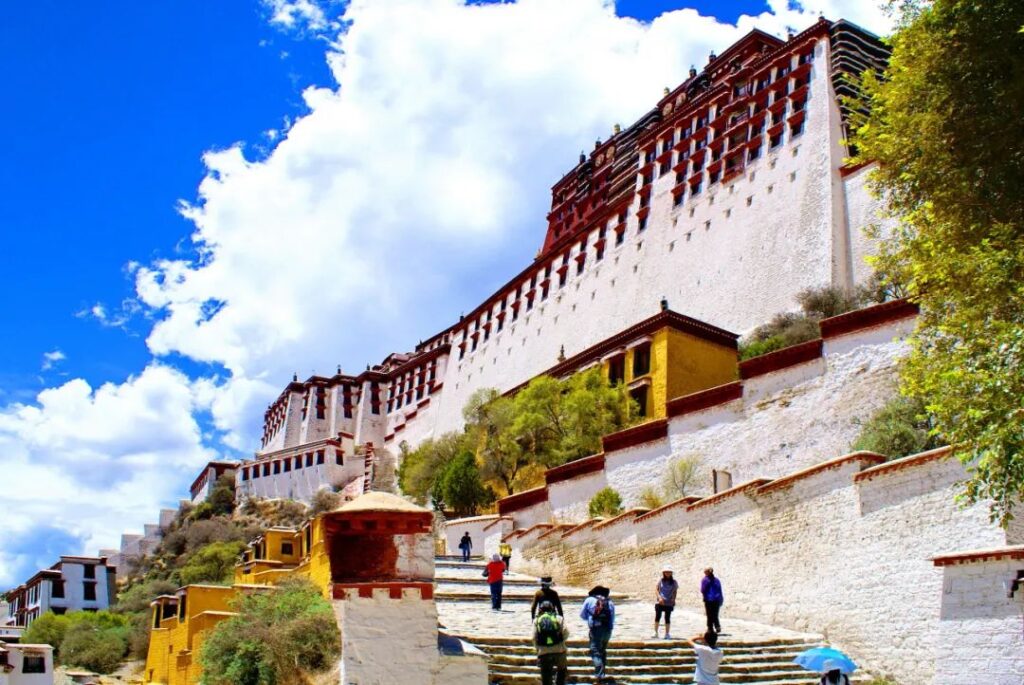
(732, 256)
(785, 421)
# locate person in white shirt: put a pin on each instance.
(709, 657)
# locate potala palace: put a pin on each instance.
(665, 244)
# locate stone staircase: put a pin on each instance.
(754, 653)
(513, 662)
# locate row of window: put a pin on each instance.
(413, 386)
(286, 464)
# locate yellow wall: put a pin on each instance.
(695, 364)
(680, 364)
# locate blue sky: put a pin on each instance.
(144, 336)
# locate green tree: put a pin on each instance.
(420, 469)
(461, 487)
(606, 503)
(214, 563)
(491, 430)
(559, 421)
(93, 640)
(946, 126)
(277, 638)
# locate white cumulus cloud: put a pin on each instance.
(96, 462)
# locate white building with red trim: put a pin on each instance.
(727, 199)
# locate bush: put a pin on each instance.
(222, 496)
(93, 640)
(220, 529)
(650, 499)
(214, 563)
(48, 629)
(276, 637)
(793, 328)
(324, 501)
(782, 331)
(95, 647)
(137, 597)
(900, 428)
(606, 503)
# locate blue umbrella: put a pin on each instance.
(825, 659)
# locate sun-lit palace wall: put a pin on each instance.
(722, 203)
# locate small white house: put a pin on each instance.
(26, 664)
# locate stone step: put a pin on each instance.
(804, 678)
(581, 656)
(482, 582)
(728, 646)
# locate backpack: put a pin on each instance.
(601, 616)
(548, 630)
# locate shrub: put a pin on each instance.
(323, 501)
(48, 629)
(137, 597)
(900, 428)
(221, 529)
(651, 499)
(222, 496)
(793, 328)
(93, 640)
(606, 503)
(214, 563)
(94, 646)
(276, 637)
(680, 476)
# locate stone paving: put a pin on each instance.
(634, 618)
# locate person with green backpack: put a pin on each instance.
(549, 636)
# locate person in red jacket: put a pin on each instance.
(495, 574)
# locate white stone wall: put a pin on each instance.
(863, 210)
(786, 420)
(532, 515)
(848, 559)
(388, 641)
(980, 626)
(454, 529)
(301, 484)
(415, 556)
(569, 499)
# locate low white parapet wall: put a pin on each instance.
(843, 548)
